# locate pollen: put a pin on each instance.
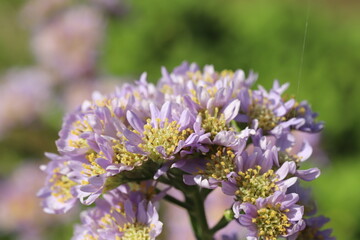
(78, 143)
(167, 89)
(92, 168)
(123, 156)
(271, 223)
(220, 164)
(266, 117)
(61, 186)
(166, 135)
(227, 73)
(214, 123)
(197, 76)
(252, 184)
(90, 237)
(81, 127)
(107, 221)
(135, 231)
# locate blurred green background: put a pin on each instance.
(266, 36)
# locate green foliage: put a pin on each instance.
(338, 196)
(14, 42)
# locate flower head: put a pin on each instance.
(60, 192)
(272, 217)
(165, 133)
(265, 109)
(120, 215)
(213, 167)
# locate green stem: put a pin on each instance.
(194, 202)
(176, 201)
(221, 224)
(197, 214)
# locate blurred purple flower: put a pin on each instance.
(37, 12)
(68, 44)
(20, 211)
(24, 95)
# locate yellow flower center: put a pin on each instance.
(271, 223)
(166, 135)
(90, 237)
(61, 186)
(220, 164)
(79, 128)
(92, 168)
(123, 156)
(134, 231)
(252, 184)
(78, 143)
(213, 123)
(265, 116)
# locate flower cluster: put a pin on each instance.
(195, 131)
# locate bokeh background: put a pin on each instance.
(54, 53)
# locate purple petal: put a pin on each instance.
(134, 121)
(245, 220)
(305, 152)
(228, 188)
(289, 200)
(165, 112)
(309, 174)
(231, 110)
(283, 171)
(295, 213)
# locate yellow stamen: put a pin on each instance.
(252, 184)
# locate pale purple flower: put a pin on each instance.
(20, 212)
(59, 194)
(272, 217)
(282, 151)
(254, 178)
(210, 170)
(37, 12)
(188, 77)
(95, 136)
(165, 133)
(304, 111)
(68, 44)
(209, 95)
(296, 159)
(267, 108)
(24, 96)
(119, 215)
